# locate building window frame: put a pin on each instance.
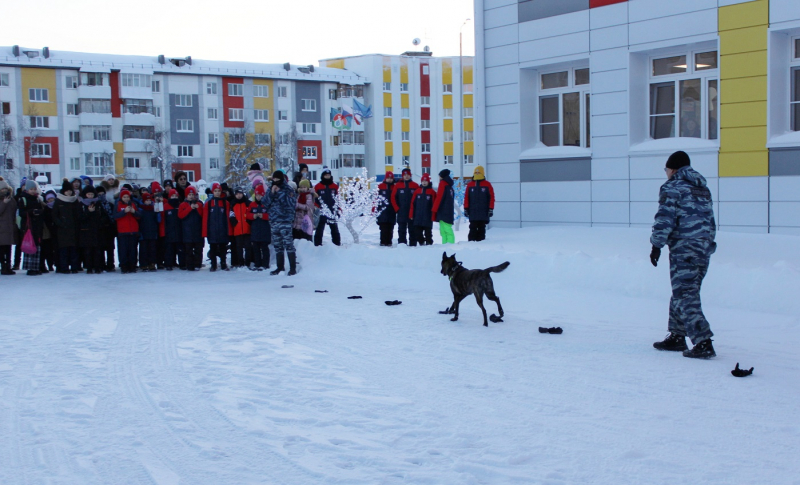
(794, 85)
(236, 114)
(387, 136)
(447, 88)
(211, 87)
(131, 162)
(387, 86)
(308, 105)
(213, 138)
(282, 92)
(213, 114)
(38, 95)
(425, 147)
(263, 139)
(261, 115)
(403, 87)
(387, 111)
(74, 136)
(469, 159)
(309, 151)
(42, 122)
(156, 86)
(405, 136)
(283, 115)
(213, 163)
(185, 151)
(260, 91)
(133, 80)
(184, 126)
(236, 90)
(561, 88)
(308, 128)
(183, 100)
(41, 150)
(71, 82)
(75, 164)
(448, 159)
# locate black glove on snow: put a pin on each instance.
(741, 372)
(654, 255)
(491, 212)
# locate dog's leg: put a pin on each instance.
(479, 299)
(456, 304)
(491, 295)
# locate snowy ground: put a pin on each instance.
(226, 378)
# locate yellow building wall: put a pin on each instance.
(387, 124)
(448, 148)
(404, 102)
(447, 71)
(388, 148)
(119, 155)
(467, 72)
(335, 63)
(405, 125)
(743, 89)
(406, 149)
(447, 101)
(447, 125)
(468, 101)
(387, 69)
(468, 124)
(41, 79)
(387, 99)
(267, 103)
(404, 71)
(469, 148)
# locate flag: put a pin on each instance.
(340, 119)
(361, 111)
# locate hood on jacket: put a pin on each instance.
(691, 176)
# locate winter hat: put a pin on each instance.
(173, 193)
(239, 190)
(100, 189)
(301, 167)
(215, 186)
(88, 189)
(146, 196)
(389, 175)
(49, 195)
(4, 184)
(260, 190)
(305, 184)
(30, 184)
(208, 191)
(124, 192)
(108, 178)
(426, 177)
(406, 171)
(128, 187)
(87, 180)
(325, 170)
(255, 166)
(169, 183)
(65, 186)
(677, 160)
(23, 182)
(278, 174)
(135, 187)
(191, 190)
(478, 174)
(444, 173)
(155, 187)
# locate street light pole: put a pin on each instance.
(461, 94)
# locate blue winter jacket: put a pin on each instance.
(148, 224)
(685, 210)
(172, 223)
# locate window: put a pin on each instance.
(468, 112)
(684, 99)
(387, 135)
(73, 110)
(308, 104)
(309, 128)
(261, 115)
(237, 139)
(468, 136)
(309, 152)
(96, 133)
(184, 126)
(425, 70)
(448, 136)
(138, 106)
(794, 103)
(186, 151)
(212, 113)
(283, 115)
(40, 122)
(37, 95)
(213, 163)
(447, 88)
(235, 114)
(263, 139)
(448, 159)
(92, 78)
(211, 88)
(406, 160)
(260, 91)
(75, 164)
(8, 134)
(387, 160)
(183, 100)
(387, 86)
(74, 136)
(426, 170)
(332, 94)
(40, 150)
(190, 175)
(99, 164)
(351, 137)
(447, 112)
(405, 136)
(4, 79)
(426, 147)
(405, 112)
(96, 106)
(154, 162)
(6, 108)
(263, 162)
(467, 88)
(403, 87)
(70, 82)
(130, 162)
(282, 92)
(235, 89)
(136, 80)
(156, 86)
(425, 100)
(138, 132)
(387, 111)
(157, 111)
(213, 138)
(563, 109)
(426, 124)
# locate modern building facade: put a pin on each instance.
(584, 100)
(66, 114)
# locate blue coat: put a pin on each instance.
(685, 211)
(191, 222)
(402, 195)
(388, 215)
(422, 207)
(260, 230)
(148, 224)
(172, 223)
(216, 223)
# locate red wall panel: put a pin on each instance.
(426, 160)
(426, 136)
(231, 102)
(52, 160)
(424, 80)
(183, 167)
(309, 143)
(116, 102)
(601, 3)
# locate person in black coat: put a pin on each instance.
(388, 217)
(92, 218)
(444, 208)
(173, 233)
(302, 173)
(421, 212)
(66, 212)
(327, 191)
(149, 229)
(402, 194)
(260, 231)
(478, 205)
(31, 213)
(108, 229)
(191, 214)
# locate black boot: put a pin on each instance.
(703, 350)
(673, 342)
(223, 263)
(279, 264)
(292, 264)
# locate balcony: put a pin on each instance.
(137, 92)
(94, 92)
(93, 119)
(137, 145)
(143, 117)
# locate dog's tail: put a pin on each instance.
(498, 269)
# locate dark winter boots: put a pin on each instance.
(292, 264)
(703, 350)
(213, 258)
(673, 342)
(279, 262)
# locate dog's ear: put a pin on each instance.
(444, 256)
(453, 257)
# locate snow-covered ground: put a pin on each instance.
(227, 378)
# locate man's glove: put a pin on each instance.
(466, 213)
(741, 372)
(654, 255)
(491, 213)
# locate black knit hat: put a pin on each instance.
(65, 186)
(255, 166)
(444, 173)
(677, 160)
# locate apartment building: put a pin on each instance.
(584, 100)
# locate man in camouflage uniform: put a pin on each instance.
(280, 202)
(685, 222)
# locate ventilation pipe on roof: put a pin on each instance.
(46, 52)
(287, 66)
(162, 59)
(311, 67)
(189, 60)
(15, 51)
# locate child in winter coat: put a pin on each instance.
(91, 220)
(388, 217)
(402, 195)
(444, 208)
(8, 226)
(303, 208)
(190, 213)
(149, 228)
(49, 239)
(327, 192)
(421, 212)
(478, 205)
(280, 201)
(241, 254)
(66, 212)
(172, 233)
(31, 213)
(108, 229)
(217, 226)
(158, 207)
(127, 214)
(260, 233)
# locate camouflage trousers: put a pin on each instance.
(688, 264)
(282, 237)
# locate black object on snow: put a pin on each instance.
(551, 330)
(494, 318)
(741, 372)
(447, 311)
(287, 286)
(392, 303)
(353, 297)
(320, 291)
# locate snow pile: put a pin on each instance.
(228, 378)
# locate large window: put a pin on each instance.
(564, 108)
(183, 100)
(309, 128)
(95, 106)
(71, 82)
(261, 115)
(186, 151)
(235, 89)
(308, 104)
(309, 152)
(136, 80)
(40, 150)
(795, 99)
(138, 106)
(212, 113)
(184, 126)
(130, 162)
(351, 137)
(138, 132)
(39, 122)
(684, 100)
(260, 91)
(211, 88)
(99, 164)
(263, 139)
(37, 95)
(96, 133)
(93, 78)
(237, 139)
(235, 114)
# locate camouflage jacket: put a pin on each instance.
(685, 210)
(280, 205)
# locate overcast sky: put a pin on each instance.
(297, 31)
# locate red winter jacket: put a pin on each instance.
(127, 222)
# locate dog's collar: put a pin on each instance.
(454, 271)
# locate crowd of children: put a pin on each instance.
(154, 227)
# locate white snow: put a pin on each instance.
(226, 378)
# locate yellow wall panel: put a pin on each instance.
(387, 124)
(447, 101)
(387, 99)
(447, 71)
(743, 40)
(387, 69)
(744, 15)
(743, 90)
(335, 63)
(744, 164)
(40, 79)
(119, 149)
(406, 149)
(467, 70)
(468, 101)
(747, 64)
(404, 103)
(448, 148)
(738, 115)
(469, 148)
(388, 148)
(468, 124)
(447, 124)
(404, 71)
(746, 139)
(405, 125)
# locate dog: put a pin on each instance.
(465, 282)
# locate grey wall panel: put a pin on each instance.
(184, 113)
(784, 161)
(555, 170)
(539, 9)
(307, 90)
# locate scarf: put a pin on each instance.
(146, 207)
(88, 202)
(67, 198)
